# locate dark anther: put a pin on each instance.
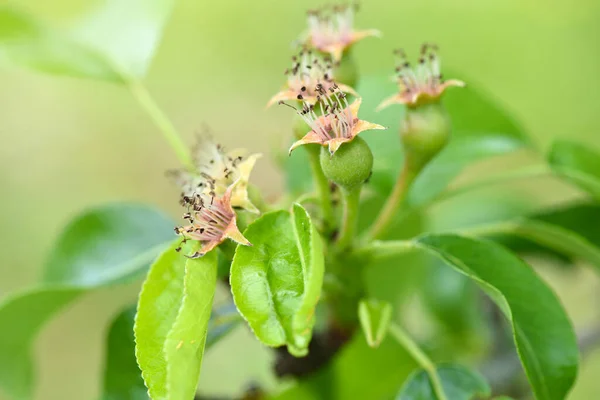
(299, 97)
(195, 255)
(303, 89)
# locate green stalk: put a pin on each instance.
(165, 126)
(380, 250)
(322, 184)
(420, 357)
(394, 201)
(350, 218)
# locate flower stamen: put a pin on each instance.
(421, 84)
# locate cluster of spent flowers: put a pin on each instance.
(211, 221)
(337, 121)
(323, 100)
(219, 179)
(420, 84)
(218, 183)
(331, 29)
(308, 71)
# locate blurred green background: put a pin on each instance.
(69, 144)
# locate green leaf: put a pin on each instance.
(556, 238)
(276, 283)
(453, 300)
(122, 377)
(26, 313)
(26, 42)
(458, 382)
(577, 163)
(570, 231)
(112, 42)
(184, 344)
(480, 129)
(108, 244)
(463, 149)
(158, 306)
(542, 331)
(125, 32)
(114, 233)
(374, 317)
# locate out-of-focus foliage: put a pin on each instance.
(63, 156)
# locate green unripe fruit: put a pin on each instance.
(425, 131)
(350, 166)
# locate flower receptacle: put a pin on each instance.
(425, 131)
(350, 166)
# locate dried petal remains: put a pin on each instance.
(331, 29)
(337, 121)
(211, 221)
(421, 84)
(307, 72)
(216, 170)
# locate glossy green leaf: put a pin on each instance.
(276, 283)
(542, 331)
(113, 232)
(577, 163)
(458, 383)
(480, 129)
(452, 298)
(184, 344)
(374, 317)
(122, 376)
(113, 42)
(158, 306)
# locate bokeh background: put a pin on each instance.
(69, 144)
